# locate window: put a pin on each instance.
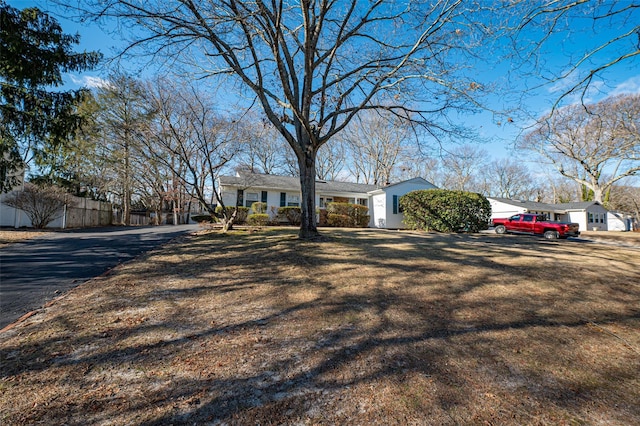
(293, 200)
(324, 201)
(528, 218)
(590, 217)
(250, 198)
(363, 202)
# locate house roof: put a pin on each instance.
(255, 180)
(577, 206)
(528, 205)
(417, 180)
(556, 208)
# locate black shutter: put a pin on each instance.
(395, 204)
(283, 199)
(240, 200)
(264, 196)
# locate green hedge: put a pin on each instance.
(347, 215)
(258, 219)
(259, 207)
(241, 216)
(445, 211)
(290, 214)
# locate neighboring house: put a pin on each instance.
(384, 208)
(618, 221)
(590, 215)
(278, 191)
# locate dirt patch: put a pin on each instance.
(369, 327)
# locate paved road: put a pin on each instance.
(35, 271)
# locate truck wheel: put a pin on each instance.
(551, 235)
(500, 229)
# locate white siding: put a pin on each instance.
(501, 210)
(593, 219)
(377, 210)
(617, 221)
(382, 201)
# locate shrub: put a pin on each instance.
(42, 204)
(340, 220)
(445, 211)
(241, 217)
(258, 219)
(290, 214)
(323, 217)
(204, 218)
(259, 207)
(347, 215)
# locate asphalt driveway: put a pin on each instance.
(35, 271)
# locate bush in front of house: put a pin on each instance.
(259, 207)
(290, 214)
(347, 215)
(445, 211)
(323, 217)
(241, 217)
(258, 219)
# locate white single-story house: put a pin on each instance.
(278, 191)
(384, 208)
(590, 215)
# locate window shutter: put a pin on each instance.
(240, 199)
(395, 204)
(264, 196)
(283, 199)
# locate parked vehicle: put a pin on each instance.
(536, 224)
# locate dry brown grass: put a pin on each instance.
(9, 236)
(370, 327)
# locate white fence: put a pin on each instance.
(78, 213)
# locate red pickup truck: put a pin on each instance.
(526, 223)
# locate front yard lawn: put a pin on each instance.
(369, 327)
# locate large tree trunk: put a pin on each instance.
(308, 225)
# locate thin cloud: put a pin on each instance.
(89, 81)
(632, 85)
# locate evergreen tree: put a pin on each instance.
(34, 52)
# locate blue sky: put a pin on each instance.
(624, 78)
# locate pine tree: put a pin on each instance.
(34, 53)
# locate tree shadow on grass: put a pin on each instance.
(366, 327)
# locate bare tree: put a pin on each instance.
(42, 204)
(509, 178)
(544, 27)
(313, 65)
(414, 163)
(461, 167)
(192, 140)
(375, 140)
(263, 148)
(626, 198)
(595, 146)
(330, 161)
